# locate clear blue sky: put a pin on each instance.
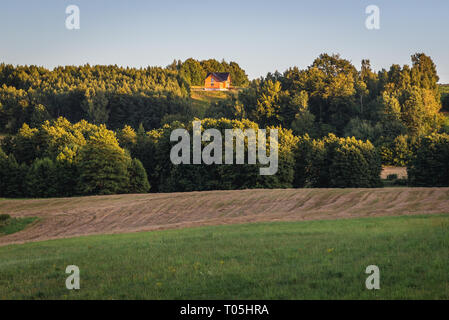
(262, 36)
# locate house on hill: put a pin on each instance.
(217, 81)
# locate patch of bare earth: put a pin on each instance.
(72, 217)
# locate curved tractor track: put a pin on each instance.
(73, 217)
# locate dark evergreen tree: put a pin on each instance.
(41, 180)
(138, 180)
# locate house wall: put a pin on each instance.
(207, 83)
(217, 84)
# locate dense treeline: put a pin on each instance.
(194, 72)
(100, 94)
(332, 96)
(105, 129)
(64, 159)
(153, 148)
(109, 95)
(338, 98)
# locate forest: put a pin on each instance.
(82, 130)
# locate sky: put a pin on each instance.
(262, 36)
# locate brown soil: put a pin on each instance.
(72, 217)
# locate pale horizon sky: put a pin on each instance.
(262, 36)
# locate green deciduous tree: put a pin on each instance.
(429, 164)
(103, 165)
(336, 163)
(192, 71)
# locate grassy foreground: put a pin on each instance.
(285, 260)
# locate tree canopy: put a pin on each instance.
(106, 129)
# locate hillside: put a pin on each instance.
(71, 217)
(203, 99)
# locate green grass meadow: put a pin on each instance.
(286, 260)
(14, 225)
